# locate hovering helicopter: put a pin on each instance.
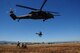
(35, 14)
(39, 33)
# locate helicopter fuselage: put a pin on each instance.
(40, 15)
(33, 15)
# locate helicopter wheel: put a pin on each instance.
(43, 20)
(18, 20)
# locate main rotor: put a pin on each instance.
(33, 8)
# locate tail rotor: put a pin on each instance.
(13, 16)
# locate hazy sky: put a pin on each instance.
(62, 28)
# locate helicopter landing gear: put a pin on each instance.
(18, 20)
(44, 20)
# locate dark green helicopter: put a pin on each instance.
(36, 14)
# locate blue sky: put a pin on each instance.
(62, 28)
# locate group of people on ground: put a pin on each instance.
(21, 45)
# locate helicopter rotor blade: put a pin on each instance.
(57, 15)
(27, 7)
(53, 12)
(43, 4)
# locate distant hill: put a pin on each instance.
(7, 42)
(12, 43)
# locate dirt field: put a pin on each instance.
(46, 48)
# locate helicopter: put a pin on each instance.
(39, 33)
(35, 13)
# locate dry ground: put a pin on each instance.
(46, 48)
